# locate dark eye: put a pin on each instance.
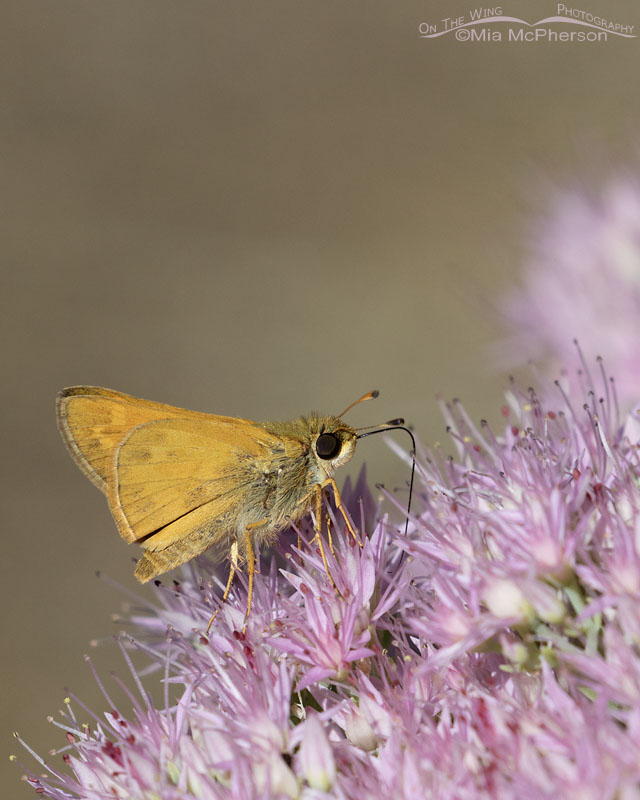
(328, 445)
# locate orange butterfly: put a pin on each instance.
(181, 482)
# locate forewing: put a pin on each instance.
(175, 476)
(94, 421)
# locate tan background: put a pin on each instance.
(253, 208)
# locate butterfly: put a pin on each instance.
(180, 482)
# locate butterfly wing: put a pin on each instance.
(181, 487)
(175, 480)
(93, 421)
(168, 469)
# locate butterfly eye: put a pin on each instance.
(328, 445)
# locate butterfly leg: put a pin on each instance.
(339, 505)
(329, 539)
(233, 557)
(319, 516)
(251, 567)
(251, 562)
(317, 490)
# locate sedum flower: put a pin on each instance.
(582, 280)
(316, 757)
(492, 651)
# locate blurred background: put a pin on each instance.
(255, 209)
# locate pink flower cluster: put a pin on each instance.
(492, 651)
(581, 281)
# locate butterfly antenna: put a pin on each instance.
(368, 396)
(398, 425)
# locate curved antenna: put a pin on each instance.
(383, 426)
(397, 425)
(368, 396)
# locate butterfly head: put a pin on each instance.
(333, 443)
